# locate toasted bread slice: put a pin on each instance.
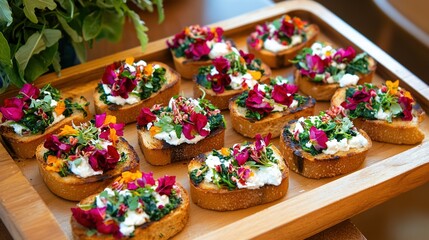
(210, 196)
(383, 131)
(165, 228)
(282, 58)
(321, 165)
(273, 123)
(325, 91)
(221, 100)
(157, 152)
(25, 146)
(128, 113)
(188, 67)
(76, 188)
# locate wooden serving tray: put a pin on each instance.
(29, 210)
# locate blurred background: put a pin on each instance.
(399, 27)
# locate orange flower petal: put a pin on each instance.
(287, 18)
(225, 151)
(392, 86)
(130, 176)
(408, 95)
(60, 108)
(54, 163)
(68, 130)
(113, 137)
(154, 130)
(109, 119)
(148, 70)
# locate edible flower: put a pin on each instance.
(29, 91)
(318, 138)
(196, 125)
(109, 74)
(53, 163)
(60, 108)
(165, 185)
(248, 57)
(197, 50)
(146, 116)
(261, 143)
(243, 174)
(104, 120)
(407, 107)
(358, 97)
(89, 218)
(255, 101)
(12, 109)
(146, 179)
(128, 176)
(240, 155)
(53, 143)
(225, 152)
(345, 55)
(104, 159)
(287, 28)
(392, 86)
(68, 130)
(283, 94)
(315, 65)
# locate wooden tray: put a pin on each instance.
(29, 210)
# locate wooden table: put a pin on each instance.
(29, 210)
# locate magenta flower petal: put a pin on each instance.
(109, 75)
(109, 227)
(283, 94)
(54, 144)
(248, 57)
(89, 218)
(99, 119)
(242, 156)
(147, 178)
(187, 130)
(221, 64)
(29, 91)
(119, 127)
(200, 121)
(13, 109)
(318, 138)
(132, 186)
(407, 107)
(165, 184)
(145, 117)
(345, 55)
(197, 50)
(255, 101)
(287, 28)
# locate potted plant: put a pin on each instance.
(34, 31)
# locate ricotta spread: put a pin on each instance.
(172, 139)
(348, 80)
(81, 167)
(335, 146)
(219, 49)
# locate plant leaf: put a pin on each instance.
(91, 25)
(51, 36)
(160, 8)
(5, 13)
(31, 5)
(56, 63)
(67, 5)
(34, 45)
(69, 30)
(39, 64)
(112, 25)
(80, 50)
(4, 52)
(13, 75)
(140, 29)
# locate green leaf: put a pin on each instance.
(112, 25)
(34, 45)
(5, 13)
(4, 52)
(39, 64)
(178, 130)
(69, 30)
(133, 203)
(91, 25)
(80, 51)
(56, 63)
(31, 5)
(51, 36)
(160, 9)
(140, 29)
(13, 75)
(68, 6)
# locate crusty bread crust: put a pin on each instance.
(209, 196)
(128, 113)
(75, 188)
(165, 228)
(157, 152)
(273, 123)
(221, 100)
(25, 146)
(325, 91)
(321, 165)
(187, 67)
(396, 132)
(282, 58)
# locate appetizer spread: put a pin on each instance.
(134, 205)
(229, 178)
(265, 108)
(194, 124)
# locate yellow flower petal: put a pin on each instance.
(148, 70)
(287, 18)
(154, 130)
(392, 86)
(68, 130)
(54, 163)
(130, 176)
(408, 95)
(255, 74)
(129, 60)
(113, 137)
(225, 151)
